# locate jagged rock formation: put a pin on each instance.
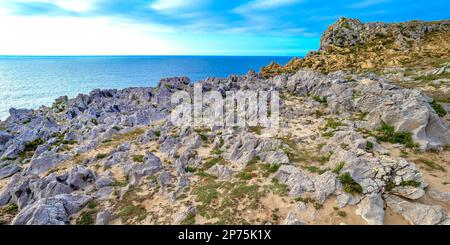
(114, 157)
(352, 45)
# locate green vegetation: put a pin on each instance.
(278, 188)
(138, 158)
(157, 133)
(190, 169)
(304, 199)
(318, 206)
(243, 190)
(316, 170)
(100, 156)
(206, 193)
(132, 211)
(431, 164)
(86, 218)
(94, 121)
(256, 129)
(12, 209)
(369, 145)
(412, 183)
(333, 123)
(438, 108)
(339, 167)
(92, 204)
(350, 185)
(189, 220)
(341, 213)
(386, 133)
(33, 145)
(245, 175)
(211, 162)
(321, 100)
(270, 168)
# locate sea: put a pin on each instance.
(30, 81)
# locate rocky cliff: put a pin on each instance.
(352, 45)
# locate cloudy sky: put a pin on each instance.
(188, 27)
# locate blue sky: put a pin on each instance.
(188, 27)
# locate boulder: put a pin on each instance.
(371, 209)
(416, 213)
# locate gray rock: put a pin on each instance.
(416, 213)
(9, 170)
(221, 171)
(371, 209)
(297, 181)
(439, 196)
(409, 192)
(181, 216)
(105, 193)
(104, 217)
(51, 211)
(45, 162)
(292, 220)
(325, 186)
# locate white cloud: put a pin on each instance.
(37, 35)
(264, 5)
(169, 5)
(71, 5)
(367, 3)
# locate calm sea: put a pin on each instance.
(28, 82)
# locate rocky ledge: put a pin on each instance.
(353, 149)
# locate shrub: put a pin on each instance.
(412, 183)
(438, 108)
(100, 156)
(321, 100)
(339, 167)
(138, 158)
(386, 133)
(271, 168)
(350, 185)
(245, 176)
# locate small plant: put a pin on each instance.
(138, 158)
(369, 145)
(386, 133)
(333, 123)
(431, 164)
(12, 209)
(117, 128)
(350, 185)
(100, 156)
(157, 133)
(318, 206)
(339, 167)
(341, 213)
(321, 100)
(316, 170)
(270, 168)
(412, 183)
(189, 169)
(256, 129)
(131, 211)
(94, 121)
(304, 199)
(189, 220)
(92, 204)
(245, 176)
(438, 108)
(86, 218)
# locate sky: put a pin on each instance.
(189, 27)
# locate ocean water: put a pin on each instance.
(29, 82)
